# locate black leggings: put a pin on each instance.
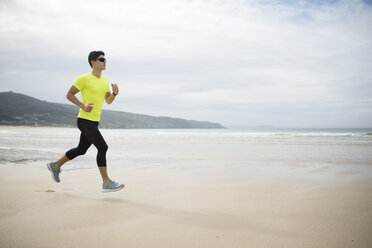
(89, 135)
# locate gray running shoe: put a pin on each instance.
(55, 172)
(111, 186)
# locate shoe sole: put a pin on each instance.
(112, 190)
(51, 172)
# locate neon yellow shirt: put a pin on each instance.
(93, 90)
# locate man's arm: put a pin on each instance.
(110, 97)
(71, 97)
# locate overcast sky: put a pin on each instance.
(283, 63)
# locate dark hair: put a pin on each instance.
(94, 56)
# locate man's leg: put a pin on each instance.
(99, 142)
(61, 161)
(103, 171)
(84, 144)
(81, 149)
(91, 133)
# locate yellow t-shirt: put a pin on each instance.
(93, 90)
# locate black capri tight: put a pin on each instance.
(89, 135)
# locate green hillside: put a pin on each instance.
(19, 109)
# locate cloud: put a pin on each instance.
(237, 62)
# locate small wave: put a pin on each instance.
(23, 156)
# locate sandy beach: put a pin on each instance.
(162, 209)
(195, 201)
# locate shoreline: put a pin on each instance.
(4, 127)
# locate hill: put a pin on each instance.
(19, 109)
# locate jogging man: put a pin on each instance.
(94, 89)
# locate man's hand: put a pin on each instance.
(115, 89)
(88, 107)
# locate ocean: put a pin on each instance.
(343, 154)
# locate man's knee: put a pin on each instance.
(104, 148)
(81, 151)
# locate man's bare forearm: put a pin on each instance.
(115, 90)
(72, 98)
(110, 99)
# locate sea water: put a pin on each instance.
(339, 152)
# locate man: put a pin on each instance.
(94, 89)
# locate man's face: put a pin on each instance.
(100, 63)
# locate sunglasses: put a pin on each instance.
(101, 59)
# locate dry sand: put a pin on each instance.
(158, 208)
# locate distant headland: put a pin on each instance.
(22, 110)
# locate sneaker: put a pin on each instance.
(111, 186)
(54, 171)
